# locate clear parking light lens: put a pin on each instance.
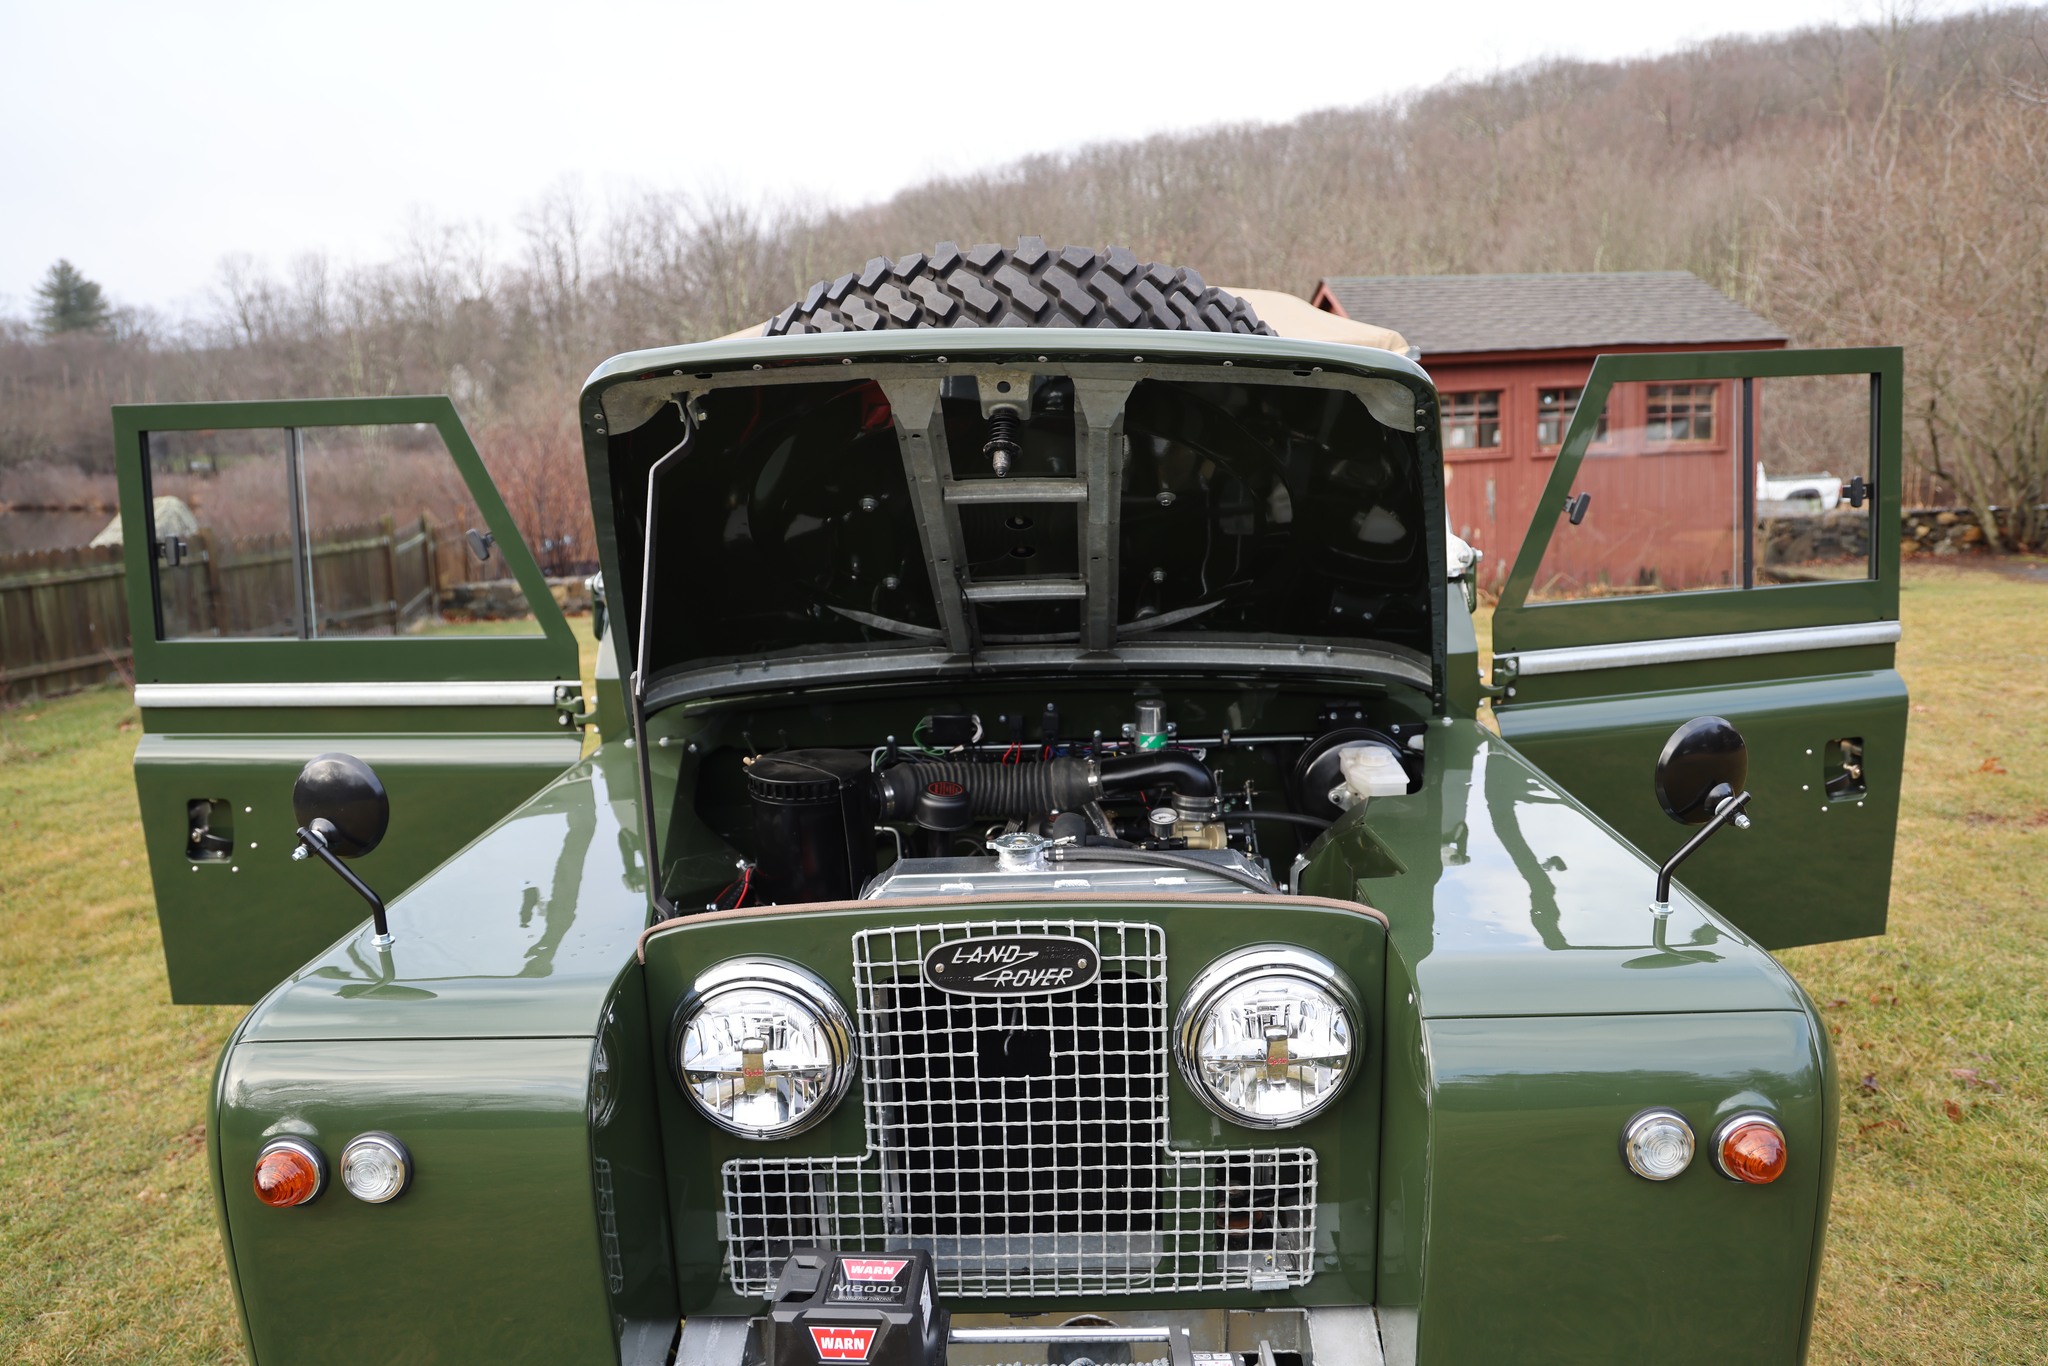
(763, 1048)
(1751, 1149)
(289, 1171)
(1657, 1144)
(1268, 1036)
(375, 1168)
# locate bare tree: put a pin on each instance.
(1868, 184)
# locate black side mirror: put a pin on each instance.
(480, 543)
(343, 812)
(1704, 763)
(346, 793)
(1700, 777)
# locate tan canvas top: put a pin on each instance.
(1303, 321)
(1284, 313)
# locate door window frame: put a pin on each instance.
(551, 654)
(1521, 625)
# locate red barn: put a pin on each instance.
(1510, 355)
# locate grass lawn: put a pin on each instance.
(1938, 1250)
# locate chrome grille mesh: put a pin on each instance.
(1022, 1141)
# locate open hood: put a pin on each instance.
(916, 503)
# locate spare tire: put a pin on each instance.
(1032, 286)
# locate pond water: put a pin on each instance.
(24, 531)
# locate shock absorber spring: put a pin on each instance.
(1005, 437)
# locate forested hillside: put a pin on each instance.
(1876, 184)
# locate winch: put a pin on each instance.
(879, 1308)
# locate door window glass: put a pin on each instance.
(389, 528)
(1657, 502)
(1715, 484)
(222, 506)
(323, 532)
(1813, 441)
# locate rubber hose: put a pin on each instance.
(1174, 768)
(1289, 818)
(1166, 857)
(993, 790)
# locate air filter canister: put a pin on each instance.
(814, 824)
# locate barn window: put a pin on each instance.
(1472, 421)
(1554, 410)
(1680, 412)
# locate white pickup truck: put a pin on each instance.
(1825, 490)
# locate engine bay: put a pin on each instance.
(1063, 795)
(1074, 621)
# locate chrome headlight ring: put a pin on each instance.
(762, 1047)
(1310, 1023)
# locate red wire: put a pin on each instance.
(1014, 754)
(746, 885)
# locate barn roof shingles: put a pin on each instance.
(1456, 314)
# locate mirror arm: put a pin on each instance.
(1730, 811)
(312, 838)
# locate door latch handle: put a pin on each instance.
(1575, 507)
(172, 550)
(1856, 492)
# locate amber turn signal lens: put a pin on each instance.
(1750, 1149)
(289, 1171)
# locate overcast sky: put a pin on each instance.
(146, 141)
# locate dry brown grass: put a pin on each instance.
(1938, 1249)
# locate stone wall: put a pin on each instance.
(1947, 531)
(1793, 537)
(499, 599)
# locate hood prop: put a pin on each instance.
(636, 690)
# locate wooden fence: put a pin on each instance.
(64, 613)
(372, 579)
(63, 621)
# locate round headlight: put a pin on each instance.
(1268, 1036)
(763, 1048)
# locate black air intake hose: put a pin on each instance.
(995, 791)
(1006, 790)
(1174, 768)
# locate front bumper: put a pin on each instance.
(1346, 1335)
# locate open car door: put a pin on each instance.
(1719, 538)
(305, 577)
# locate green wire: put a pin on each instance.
(920, 745)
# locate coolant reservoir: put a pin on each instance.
(1370, 770)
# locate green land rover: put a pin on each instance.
(1052, 882)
